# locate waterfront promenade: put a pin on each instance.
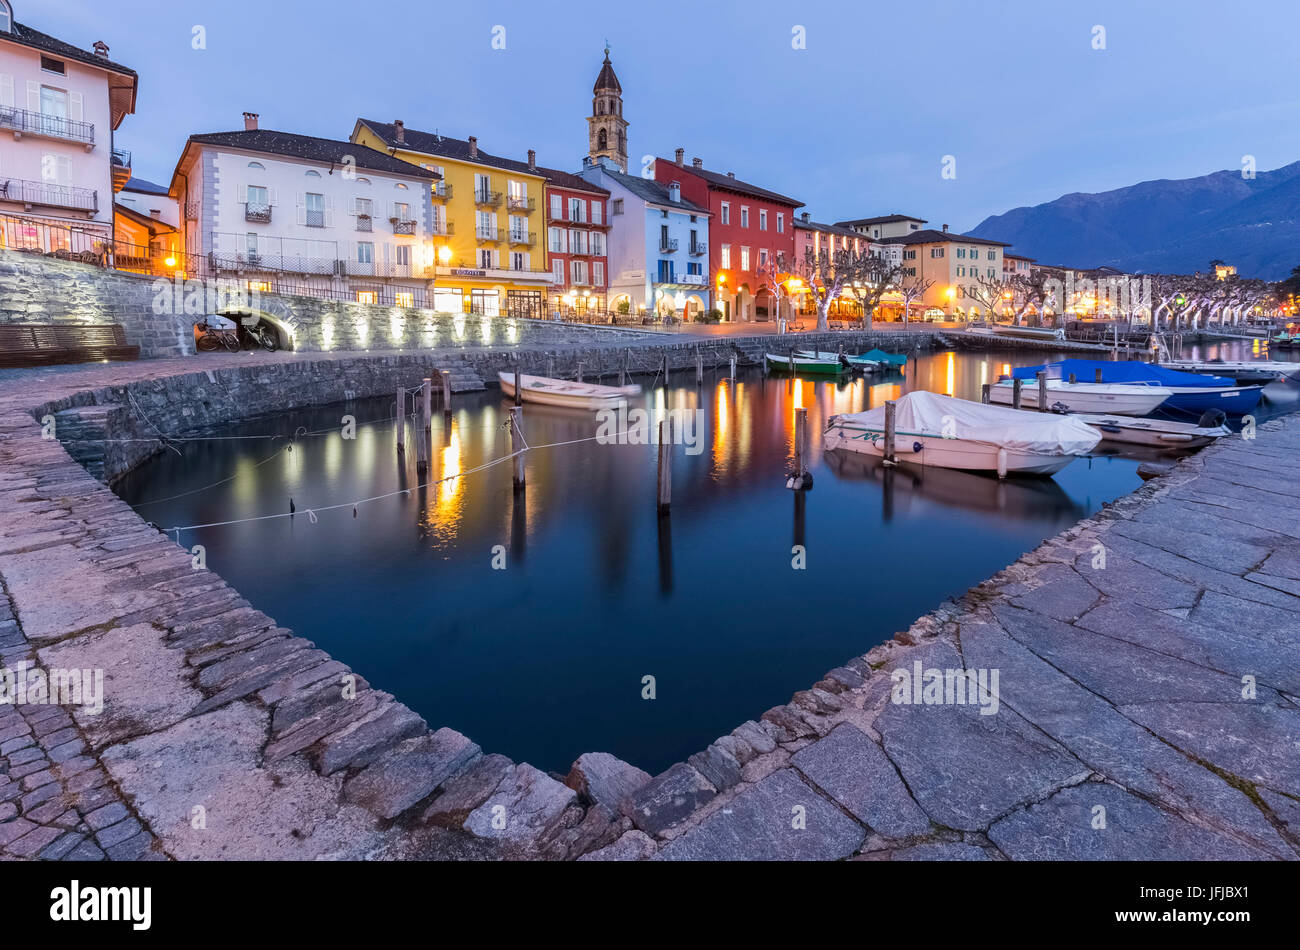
(1148, 693)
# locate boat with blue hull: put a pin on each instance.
(1188, 392)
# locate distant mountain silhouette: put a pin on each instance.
(1166, 226)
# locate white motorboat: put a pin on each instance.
(1047, 334)
(1158, 432)
(566, 392)
(1243, 371)
(940, 431)
(1111, 398)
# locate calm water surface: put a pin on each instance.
(544, 660)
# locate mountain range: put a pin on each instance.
(1166, 226)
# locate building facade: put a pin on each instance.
(487, 220)
(147, 238)
(751, 230)
(954, 263)
(294, 213)
(885, 226)
(59, 170)
(653, 228)
(606, 127)
(577, 245)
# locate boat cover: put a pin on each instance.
(1132, 371)
(1039, 433)
(880, 356)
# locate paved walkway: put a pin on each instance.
(1147, 703)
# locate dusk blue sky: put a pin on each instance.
(856, 124)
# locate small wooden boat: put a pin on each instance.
(566, 393)
(1022, 333)
(1111, 398)
(1241, 371)
(1158, 432)
(888, 359)
(825, 366)
(859, 363)
(944, 432)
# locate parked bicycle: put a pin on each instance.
(210, 337)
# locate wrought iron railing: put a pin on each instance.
(365, 223)
(482, 197)
(487, 234)
(521, 203)
(441, 189)
(258, 214)
(50, 126)
(402, 227)
(523, 238)
(667, 245)
(49, 194)
(699, 248)
(121, 158)
(442, 228)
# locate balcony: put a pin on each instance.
(120, 163)
(442, 228)
(667, 245)
(314, 219)
(487, 234)
(696, 279)
(699, 249)
(401, 226)
(365, 223)
(519, 203)
(25, 122)
(523, 238)
(49, 195)
(257, 213)
(487, 198)
(441, 190)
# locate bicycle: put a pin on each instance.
(210, 337)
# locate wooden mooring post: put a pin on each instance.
(800, 479)
(664, 484)
(401, 420)
(446, 391)
(550, 367)
(986, 394)
(733, 367)
(665, 371)
(1042, 390)
(1099, 374)
(579, 374)
(1016, 386)
(891, 411)
(519, 387)
(426, 414)
(517, 444)
(699, 366)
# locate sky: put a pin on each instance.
(855, 120)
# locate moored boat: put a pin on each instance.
(859, 363)
(1185, 392)
(944, 432)
(1062, 396)
(888, 359)
(1240, 371)
(828, 366)
(1158, 432)
(565, 392)
(1021, 333)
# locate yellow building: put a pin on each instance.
(486, 220)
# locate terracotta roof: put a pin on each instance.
(325, 151)
(828, 228)
(931, 236)
(569, 180)
(732, 183)
(883, 219)
(442, 146)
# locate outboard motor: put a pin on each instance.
(1212, 419)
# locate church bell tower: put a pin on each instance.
(606, 127)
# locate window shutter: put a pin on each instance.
(33, 96)
(496, 259)
(528, 260)
(273, 196)
(301, 207)
(75, 109)
(6, 90)
(329, 211)
(243, 194)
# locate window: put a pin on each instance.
(315, 210)
(936, 252)
(597, 212)
(762, 219)
(312, 173)
(598, 244)
(52, 65)
(762, 258)
(694, 268)
(54, 102)
(577, 210)
(404, 298)
(993, 255)
(598, 273)
(6, 18)
(363, 181)
(744, 258)
(744, 216)
(557, 269)
(482, 186)
(578, 270)
(780, 223)
(363, 209)
(577, 241)
(724, 256)
(365, 252)
(400, 187)
(519, 260)
(557, 207)
(726, 212)
(961, 268)
(257, 165)
(555, 240)
(257, 197)
(618, 206)
(486, 258)
(401, 211)
(367, 296)
(250, 244)
(403, 255)
(665, 272)
(909, 254)
(961, 252)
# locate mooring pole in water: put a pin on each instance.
(519, 387)
(665, 480)
(421, 448)
(665, 371)
(791, 358)
(699, 366)
(446, 391)
(733, 367)
(550, 367)
(891, 409)
(401, 421)
(1016, 386)
(1099, 373)
(986, 394)
(1073, 378)
(622, 374)
(800, 445)
(579, 376)
(1042, 390)
(517, 444)
(426, 414)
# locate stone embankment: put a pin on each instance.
(1146, 700)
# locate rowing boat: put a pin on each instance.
(1157, 432)
(828, 365)
(565, 392)
(860, 363)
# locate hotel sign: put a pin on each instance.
(467, 272)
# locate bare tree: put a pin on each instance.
(824, 276)
(773, 276)
(869, 277)
(912, 288)
(989, 292)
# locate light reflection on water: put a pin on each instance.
(544, 660)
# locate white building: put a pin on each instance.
(292, 212)
(59, 106)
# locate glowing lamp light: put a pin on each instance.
(444, 254)
(170, 262)
(950, 292)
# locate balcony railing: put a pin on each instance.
(441, 189)
(401, 226)
(26, 122)
(491, 198)
(487, 234)
(667, 245)
(520, 203)
(699, 248)
(442, 228)
(258, 214)
(121, 158)
(697, 279)
(523, 238)
(49, 195)
(365, 223)
(314, 219)
(191, 211)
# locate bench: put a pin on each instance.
(42, 344)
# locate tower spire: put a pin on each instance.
(606, 127)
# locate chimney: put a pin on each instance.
(101, 49)
(250, 121)
(473, 147)
(155, 213)
(945, 229)
(399, 131)
(731, 174)
(681, 156)
(532, 160)
(697, 163)
(675, 192)
(807, 215)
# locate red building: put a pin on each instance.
(750, 229)
(577, 244)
